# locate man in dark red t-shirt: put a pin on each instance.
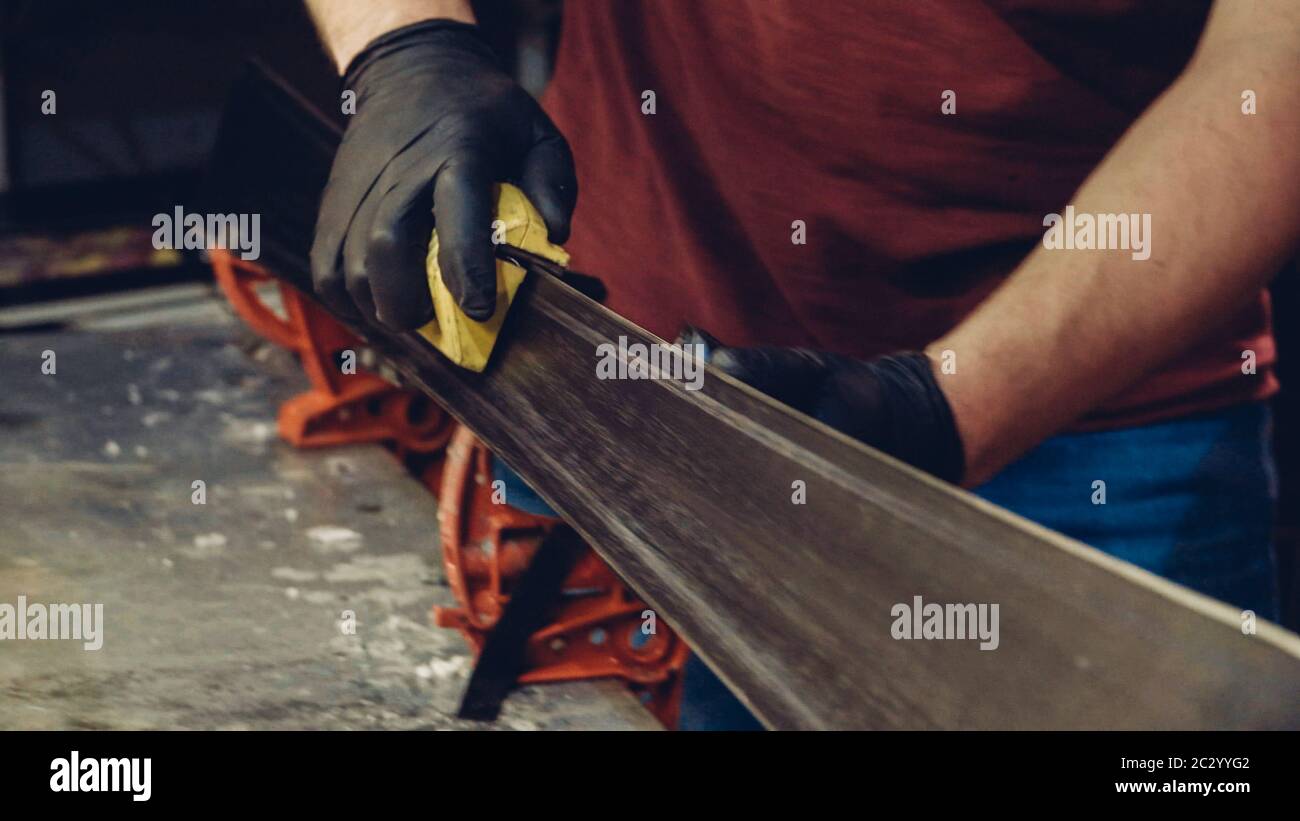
(1021, 244)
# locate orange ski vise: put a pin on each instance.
(600, 629)
(346, 403)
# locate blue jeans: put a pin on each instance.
(1191, 500)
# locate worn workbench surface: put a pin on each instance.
(226, 614)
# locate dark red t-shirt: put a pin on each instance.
(771, 111)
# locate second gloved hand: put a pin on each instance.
(437, 123)
(892, 403)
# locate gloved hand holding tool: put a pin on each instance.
(437, 125)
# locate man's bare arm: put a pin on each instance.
(1070, 329)
(346, 26)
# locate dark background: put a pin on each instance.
(140, 87)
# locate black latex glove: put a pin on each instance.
(437, 123)
(891, 402)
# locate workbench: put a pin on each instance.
(228, 614)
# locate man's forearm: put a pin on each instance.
(1069, 329)
(346, 26)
